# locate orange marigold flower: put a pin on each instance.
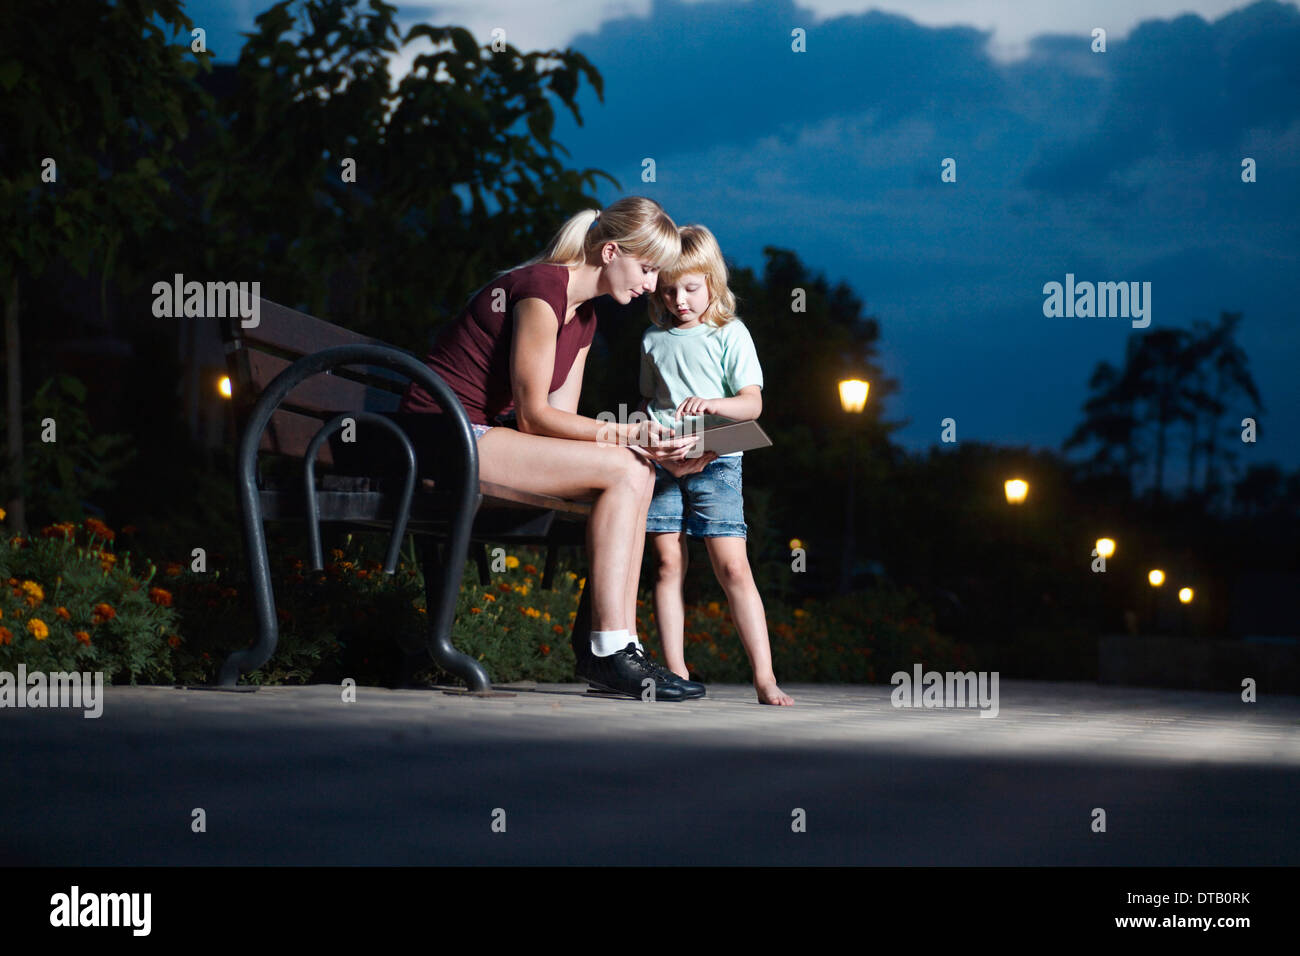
(557, 629)
(546, 648)
(102, 612)
(160, 597)
(6, 636)
(530, 569)
(99, 529)
(63, 613)
(476, 610)
(174, 640)
(489, 597)
(336, 554)
(34, 590)
(40, 630)
(504, 587)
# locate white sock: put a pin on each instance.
(605, 643)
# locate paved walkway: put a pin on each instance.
(296, 776)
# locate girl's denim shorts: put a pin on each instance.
(707, 504)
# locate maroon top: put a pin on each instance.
(472, 353)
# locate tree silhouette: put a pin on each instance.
(98, 89)
(1169, 377)
(1232, 382)
(456, 172)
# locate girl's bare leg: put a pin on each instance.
(731, 567)
(670, 612)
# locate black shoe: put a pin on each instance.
(694, 689)
(624, 671)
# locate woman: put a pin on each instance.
(522, 342)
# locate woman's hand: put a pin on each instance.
(688, 466)
(656, 442)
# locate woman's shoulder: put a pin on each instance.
(543, 279)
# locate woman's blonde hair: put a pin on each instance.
(700, 253)
(639, 226)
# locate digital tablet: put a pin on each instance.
(725, 439)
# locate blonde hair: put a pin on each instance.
(637, 225)
(700, 253)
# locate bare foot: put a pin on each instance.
(771, 694)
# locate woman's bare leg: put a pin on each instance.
(619, 480)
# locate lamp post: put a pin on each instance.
(1155, 578)
(853, 398)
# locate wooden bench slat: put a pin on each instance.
(289, 434)
(320, 393)
(291, 331)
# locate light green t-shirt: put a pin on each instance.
(704, 361)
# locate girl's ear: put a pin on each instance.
(607, 252)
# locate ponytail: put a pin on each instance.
(639, 226)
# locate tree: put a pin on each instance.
(94, 99)
(456, 173)
(1232, 383)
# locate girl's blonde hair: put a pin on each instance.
(700, 253)
(639, 226)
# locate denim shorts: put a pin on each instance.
(709, 502)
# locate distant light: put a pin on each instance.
(1105, 547)
(223, 386)
(1016, 489)
(795, 543)
(1156, 577)
(1185, 595)
(853, 394)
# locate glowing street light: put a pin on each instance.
(1156, 577)
(853, 394)
(1185, 595)
(853, 398)
(795, 543)
(1105, 547)
(223, 386)
(1017, 489)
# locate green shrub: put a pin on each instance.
(69, 604)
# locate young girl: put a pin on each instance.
(699, 360)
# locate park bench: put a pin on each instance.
(295, 382)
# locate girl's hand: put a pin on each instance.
(694, 405)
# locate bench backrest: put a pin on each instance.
(255, 356)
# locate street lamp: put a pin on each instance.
(853, 398)
(1105, 547)
(1185, 595)
(1155, 578)
(1017, 490)
(223, 386)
